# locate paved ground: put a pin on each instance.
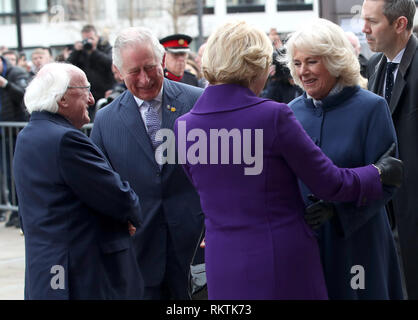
(12, 263)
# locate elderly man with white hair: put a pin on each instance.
(77, 214)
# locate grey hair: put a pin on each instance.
(132, 36)
(393, 9)
(48, 87)
(327, 40)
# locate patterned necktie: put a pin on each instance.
(153, 124)
(390, 67)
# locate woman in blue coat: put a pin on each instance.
(352, 127)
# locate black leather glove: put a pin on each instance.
(318, 212)
(390, 168)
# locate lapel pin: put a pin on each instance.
(172, 109)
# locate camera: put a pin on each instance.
(87, 45)
(116, 92)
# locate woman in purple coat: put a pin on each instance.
(244, 155)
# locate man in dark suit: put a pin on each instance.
(126, 132)
(393, 74)
(77, 214)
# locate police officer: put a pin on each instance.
(177, 48)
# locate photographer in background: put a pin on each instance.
(93, 55)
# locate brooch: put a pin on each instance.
(172, 109)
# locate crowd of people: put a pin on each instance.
(106, 218)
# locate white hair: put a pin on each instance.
(48, 87)
(133, 36)
(325, 39)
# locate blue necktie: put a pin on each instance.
(152, 119)
(390, 67)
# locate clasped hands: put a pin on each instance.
(390, 171)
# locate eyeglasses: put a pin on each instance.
(80, 87)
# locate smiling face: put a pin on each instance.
(142, 72)
(317, 81)
(75, 102)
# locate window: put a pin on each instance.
(235, 6)
(209, 6)
(31, 10)
(139, 9)
(293, 5)
(6, 7)
(26, 6)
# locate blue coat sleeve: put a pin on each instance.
(87, 172)
(380, 136)
(317, 171)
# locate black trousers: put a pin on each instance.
(175, 283)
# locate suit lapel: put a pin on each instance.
(131, 117)
(400, 81)
(376, 79)
(172, 108)
(397, 92)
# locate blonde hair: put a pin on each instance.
(236, 53)
(327, 40)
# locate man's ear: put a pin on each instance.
(164, 57)
(400, 24)
(62, 103)
(117, 72)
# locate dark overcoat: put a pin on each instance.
(75, 211)
(404, 109)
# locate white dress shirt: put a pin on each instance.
(143, 109)
(397, 60)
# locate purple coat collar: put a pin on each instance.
(224, 98)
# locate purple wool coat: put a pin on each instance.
(258, 245)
